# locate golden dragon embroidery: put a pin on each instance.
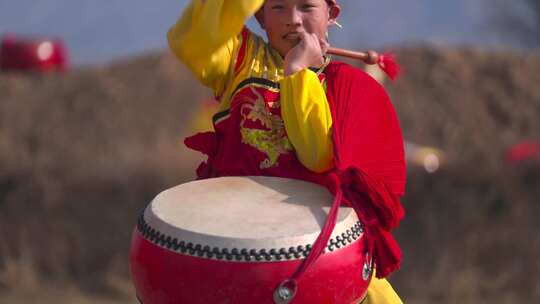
(273, 142)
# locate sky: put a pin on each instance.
(98, 31)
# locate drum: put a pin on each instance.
(237, 239)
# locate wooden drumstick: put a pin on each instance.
(386, 62)
(369, 57)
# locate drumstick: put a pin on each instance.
(369, 57)
(386, 62)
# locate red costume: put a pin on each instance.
(369, 171)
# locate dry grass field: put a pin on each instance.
(82, 152)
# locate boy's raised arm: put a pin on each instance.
(205, 38)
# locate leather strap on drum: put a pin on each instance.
(356, 189)
(289, 287)
(326, 232)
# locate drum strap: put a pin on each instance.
(354, 187)
(326, 232)
(322, 239)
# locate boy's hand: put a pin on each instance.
(307, 53)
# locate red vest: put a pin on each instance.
(250, 137)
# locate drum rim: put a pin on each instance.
(156, 237)
(156, 228)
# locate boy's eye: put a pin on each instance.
(308, 6)
(277, 7)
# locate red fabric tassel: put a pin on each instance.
(369, 156)
(389, 65)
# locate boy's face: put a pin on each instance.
(284, 19)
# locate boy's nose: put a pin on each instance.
(295, 18)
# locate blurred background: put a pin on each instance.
(93, 111)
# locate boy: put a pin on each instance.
(287, 111)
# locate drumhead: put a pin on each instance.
(251, 213)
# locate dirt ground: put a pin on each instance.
(81, 153)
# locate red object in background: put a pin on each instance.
(32, 54)
(525, 151)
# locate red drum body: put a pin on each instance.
(19, 53)
(261, 231)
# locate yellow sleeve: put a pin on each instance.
(308, 120)
(381, 292)
(207, 36)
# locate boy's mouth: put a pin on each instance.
(292, 36)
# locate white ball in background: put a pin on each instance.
(431, 163)
(45, 50)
